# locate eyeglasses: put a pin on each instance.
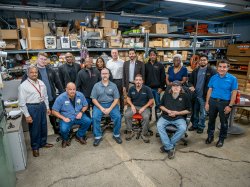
(68, 56)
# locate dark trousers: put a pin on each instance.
(38, 129)
(53, 119)
(216, 107)
(118, 83)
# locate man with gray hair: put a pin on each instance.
(33, 102)
(115, 65)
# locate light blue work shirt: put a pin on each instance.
(222, 87)
(105, 94)
(65, 107)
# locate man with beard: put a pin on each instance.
(105, 97)
(199, 85)
(33, 102)
(68, 71)
(175, 105)
(131, 68)
(52, 81)
(70, 108)
(86, 80)
(115, 65)
(140, 98)
(220, 99)
(155, 77)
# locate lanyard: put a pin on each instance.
(39, 91)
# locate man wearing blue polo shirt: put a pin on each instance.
(105, 96)
(220, 98)
(70, 108)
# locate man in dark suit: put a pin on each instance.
(68, 72)
(52, 81)
(131, 68)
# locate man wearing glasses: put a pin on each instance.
(68, 71)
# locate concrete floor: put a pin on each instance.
(135, 163)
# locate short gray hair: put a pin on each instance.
(32, 66)
(178, 56)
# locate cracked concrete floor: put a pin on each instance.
(135, 163)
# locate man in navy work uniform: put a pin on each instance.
(199, 85)
(220, 99)
(105, 96)
(140, 98)
(175, 105)
(70, 108)
(33, 102)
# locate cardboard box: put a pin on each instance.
(146, 24)
(62, 31)
(139, 45)
(109, 32)
(35, 38)
(113, 44)
(159, 28)
(36, 24)
(166, 42)
(151, 44)
(22, 23)
(157, 43)
(105, 23)
(161, 53)
(102, 15)
(184, 55)
(6, 34)
(100, 31)
(185, 43)
(238, 50)
(90, 29)
(114, 24)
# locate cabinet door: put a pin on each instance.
(7, 174)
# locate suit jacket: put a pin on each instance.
(209, 73)
(54, 81)
(139, 69)
(64, 75)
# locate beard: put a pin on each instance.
(175, 95)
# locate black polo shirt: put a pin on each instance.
(140, 98)
(182, 102)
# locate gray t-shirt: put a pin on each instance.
(105, 94)
(200, 81)
(45, 79)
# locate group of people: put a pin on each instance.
(104, 87)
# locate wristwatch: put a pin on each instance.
(231, 106)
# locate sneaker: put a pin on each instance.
(117, 139)
(171, 153)
(145, 139)
(97, 142)
(220, 143)
(129, 135)
(192, 128)
(199, 131)
(163, 150)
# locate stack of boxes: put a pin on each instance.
(239, 58)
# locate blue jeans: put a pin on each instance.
(115, 117)
(38, 128)
(181, 129)
(199, 113)
(157, 98)
(216, 107)
(84, 123)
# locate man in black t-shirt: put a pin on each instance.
(140, 98)
(175, 105)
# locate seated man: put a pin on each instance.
(175, 105)
(105, 97)
(70, 108)
(140, 98)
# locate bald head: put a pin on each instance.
(71, 90)
(69, 58)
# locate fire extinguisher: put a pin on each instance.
(237, 100)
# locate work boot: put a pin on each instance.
(171, 153)
(145, 139)
(129, 135)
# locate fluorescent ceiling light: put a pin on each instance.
(202, 3)
(125, 14)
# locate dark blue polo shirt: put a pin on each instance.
(222, 87)
(140, 98)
